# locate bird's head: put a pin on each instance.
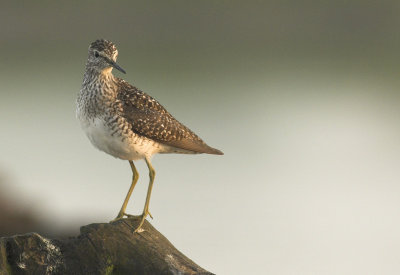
(103, 56)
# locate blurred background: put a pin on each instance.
(302, 97)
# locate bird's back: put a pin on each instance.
(148, 118)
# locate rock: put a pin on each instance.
(103, 248)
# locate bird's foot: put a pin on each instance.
(117, 219)
(121, 215)
(142, 219)
(135, 216)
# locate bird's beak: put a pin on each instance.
(115, 65)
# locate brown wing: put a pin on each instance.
(150, 119)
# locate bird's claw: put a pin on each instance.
(142, 219)
(121, 216)
(129, 215)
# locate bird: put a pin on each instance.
(126, 123)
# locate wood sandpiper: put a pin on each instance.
(126, 123)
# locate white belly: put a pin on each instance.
(131, 147)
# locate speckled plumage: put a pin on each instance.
(125, 122)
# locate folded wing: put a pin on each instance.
(150, 119)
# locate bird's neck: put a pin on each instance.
(100, 82)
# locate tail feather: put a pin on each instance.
(197, 146)
(213, 151)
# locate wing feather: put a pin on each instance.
(150, 119)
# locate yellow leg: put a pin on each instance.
(146, 212)
(135, 178)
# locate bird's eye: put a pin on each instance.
(96, 54)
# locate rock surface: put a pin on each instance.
(104, 248)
